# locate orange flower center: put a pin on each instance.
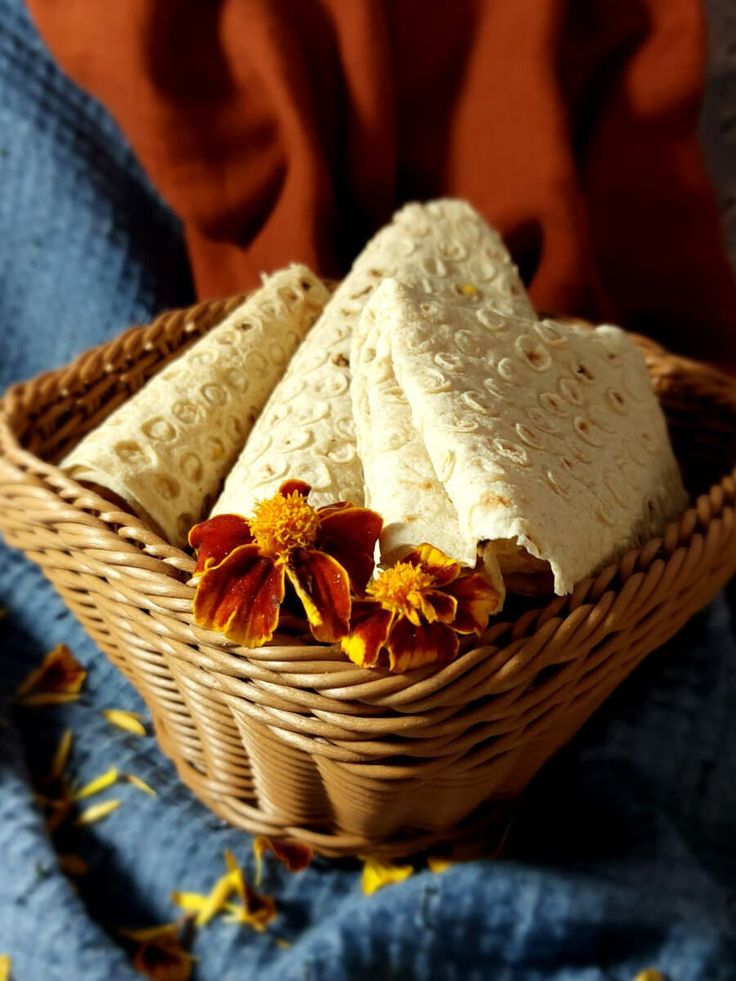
(399, 589)
(284, 522)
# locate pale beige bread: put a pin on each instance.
(167, 449)
(543, 434)
(400, 481)
(306, 430)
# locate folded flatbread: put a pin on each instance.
(306, 430)
(166, 450)
(400, 481)
(545, 435)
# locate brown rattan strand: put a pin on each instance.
(291, 740)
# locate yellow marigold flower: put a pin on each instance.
(377, 874)
(5, 966)
(415, 611)
(58, 678)
(243, 565)
(650, 974)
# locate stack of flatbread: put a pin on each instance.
(425, 387)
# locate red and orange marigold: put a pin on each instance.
(415, 610)
(243, 565)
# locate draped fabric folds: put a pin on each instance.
(290, 130)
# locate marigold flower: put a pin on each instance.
(415, 610)
(243, 565)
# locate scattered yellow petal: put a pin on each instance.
(130, 721)
(59, 672)
(282, 943)
(190, 902)
(140, 784)
(97, 812)
(236, 874)
(208, 905)
(217, 898)
(102, 782)
(378, 874)
(437, 864)
(5, 965)
(42, 699)
(61, 756)
(73, 864)
(468, 289)
(255, 910)
(650, 974)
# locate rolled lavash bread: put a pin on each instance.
(548, 436)
(165, 451)
(400, 481)
(306, 430)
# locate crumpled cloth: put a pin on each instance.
(291, 130)
(623, 853)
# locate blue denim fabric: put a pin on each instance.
(624, 849)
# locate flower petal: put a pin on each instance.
(369, 628)
(377, 874)
(436, 605)
(323, 587)
(140, 784)
(349, 534)
(97, 812)
(257, 911)
(295, 855)
(163, 958)
(295, 487)
(216, 538)
(440, 567)
(241, 597)
(477, 599)
(105, 780)
(127, 721)
(412, 647)
(59, 673)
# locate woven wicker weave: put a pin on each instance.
(294, 741)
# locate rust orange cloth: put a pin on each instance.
(291, 129)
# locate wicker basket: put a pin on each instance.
(294, 741)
